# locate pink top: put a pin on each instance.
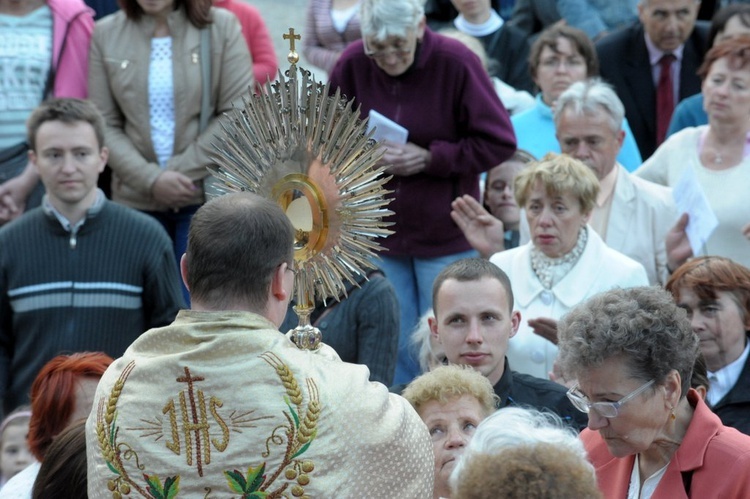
(265, 64)
(321, 43)
(72, 25)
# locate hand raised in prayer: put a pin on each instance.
(484, 232)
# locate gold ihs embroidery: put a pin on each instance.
(193, 416)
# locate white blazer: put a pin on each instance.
(599, 268)
(641, 214)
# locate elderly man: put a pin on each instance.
(653, 65)
(220, 403)
(633, 216)
(474, 321)
(80, 272)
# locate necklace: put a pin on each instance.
(550, 270)
(717, 158)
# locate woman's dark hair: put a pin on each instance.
(197, 11)
(580, 41)
(63, 471)
(722, 17)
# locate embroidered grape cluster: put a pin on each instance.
(300, 472)
(118, 488)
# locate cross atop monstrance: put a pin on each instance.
(293, 56)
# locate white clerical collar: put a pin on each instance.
(725, 378)
(494, 23)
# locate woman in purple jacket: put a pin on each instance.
(438, 90)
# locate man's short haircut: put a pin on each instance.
(68, 111)
(558, 174)
(235, 244)
(471, 269)
(577, 38)
(446, 383)
(586, 98)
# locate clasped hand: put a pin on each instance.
(404, 159)
(173, 189)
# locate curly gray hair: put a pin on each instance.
(642, 325)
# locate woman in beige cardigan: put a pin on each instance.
(145, 75)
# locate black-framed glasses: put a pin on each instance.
(604, 409)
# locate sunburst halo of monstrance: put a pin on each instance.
(310, 152)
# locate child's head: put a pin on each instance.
(14, 449)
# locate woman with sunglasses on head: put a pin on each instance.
(438, 90)
(650, 435)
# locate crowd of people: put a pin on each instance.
(562, 309)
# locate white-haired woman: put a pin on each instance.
(438, 90)
(520, 452)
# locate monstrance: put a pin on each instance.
(310, 152)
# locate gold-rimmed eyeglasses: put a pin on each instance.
(401, 47)
(604, 409)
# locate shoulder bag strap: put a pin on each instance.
(206, 77)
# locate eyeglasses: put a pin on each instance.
(604, 409)
(400, 50)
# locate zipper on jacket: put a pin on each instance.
(73, 240)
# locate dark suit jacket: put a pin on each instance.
(532, 16)
(508, 52)
(734, 408)
(624, 63)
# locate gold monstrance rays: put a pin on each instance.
(309, 151)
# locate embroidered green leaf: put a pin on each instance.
(112, 468)
(294, 413)
(306, 446)
(257, 495)
(236, 481)
(154, 486)
(255, 477)
(171, 487)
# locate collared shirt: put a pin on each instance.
(600, 216)
(73, 229)
(725, 378)
(95, 207)
(492, 24)
(655, 55)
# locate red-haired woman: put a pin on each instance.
(715, 292)
(63, 392)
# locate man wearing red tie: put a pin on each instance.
(652, 64)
